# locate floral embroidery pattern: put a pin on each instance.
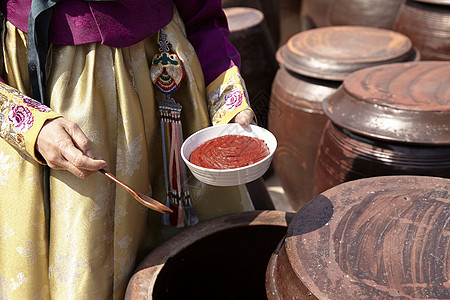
(93, 134)
(35, 104)
(16, 115)
(103, 209)
(220, 115)
(20, 139)
(233, 100)
(6, 166)
(227, 97)
(5, 233)
(21, 118)
(68, 268)
(8, 286)
(125, 242)
(3, 122)
(126, 263)
(29, 251)
(11, 6)
(119, 214)
(129, 161)
(81, 21)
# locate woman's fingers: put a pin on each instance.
(78, 163)
(78, 138)
(64, 146)
(244, 118)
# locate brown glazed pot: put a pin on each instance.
(372, 13)
(427, 24)
(270, 9)
(250, 36)
(314, 63)
(374, 238)
(313, 13)
(224, 258)
(297, 120)
(387, 120)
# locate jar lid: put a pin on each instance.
(403, 102)
(334, 52)
(442, 2)
(364, 238)
(243, 18)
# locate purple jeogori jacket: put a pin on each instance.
(124, 23)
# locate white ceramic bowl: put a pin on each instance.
(228, 177)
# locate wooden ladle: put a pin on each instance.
(143, 199)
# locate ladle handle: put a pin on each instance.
(143, 199)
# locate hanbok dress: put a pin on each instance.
(98, 76)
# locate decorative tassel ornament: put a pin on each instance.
(167, 72)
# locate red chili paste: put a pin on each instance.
(229, 152)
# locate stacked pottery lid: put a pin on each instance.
(242, 18)
(334, 52)
(375, 238)
(441, 2)
(401, 102)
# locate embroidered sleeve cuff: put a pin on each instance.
(21, 119)
(227, 96)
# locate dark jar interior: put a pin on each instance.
(230, 264)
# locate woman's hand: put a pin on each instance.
(244, 117)
(65, 147)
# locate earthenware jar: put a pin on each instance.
(314, 64)
(223, 258)
(387, 120)
(374, 238)
(427, 24)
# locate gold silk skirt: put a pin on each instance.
(98, 232)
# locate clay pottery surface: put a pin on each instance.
(443, 2)
(223, 258)
(374, 238)
(334, 52)
(373, 13)
(387, 120)
(344, 156)
(297, 120)
(314, 63)
(427, 24)
(290, 20)
(270, 9)
(404, 102)
(245, 3)
(314, 13)
(249, 34)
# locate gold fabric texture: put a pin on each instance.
(98, 232)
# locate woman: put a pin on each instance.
(101, 112)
